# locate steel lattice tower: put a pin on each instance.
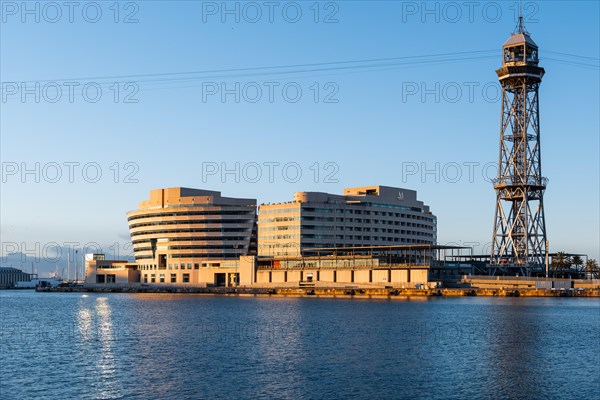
(519, 242)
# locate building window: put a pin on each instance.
(111, 278)
(152, 278)
(173, 278)
(170, 266)
(189, 266)
(162, 278)
(100, 278)
(145, 278)
(175, 265)
(186, 278)
(196, 266)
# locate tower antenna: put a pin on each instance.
(520, 24)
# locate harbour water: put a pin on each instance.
(160, 346)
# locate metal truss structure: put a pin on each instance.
(519, 242)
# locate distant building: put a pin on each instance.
(363, 216)
(10, 276)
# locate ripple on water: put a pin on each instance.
(181, 346)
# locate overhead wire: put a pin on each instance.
(158, 81)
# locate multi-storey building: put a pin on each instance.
(182, 229)
(363, 216)
(197, 237)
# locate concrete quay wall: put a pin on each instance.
(348, 291)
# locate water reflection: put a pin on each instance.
(105, 362)
(95, 340)
(84, 322)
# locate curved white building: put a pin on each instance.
(182, 228)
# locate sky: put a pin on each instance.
(104, 101)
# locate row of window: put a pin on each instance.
(286, 210)
(354, 220)
(394, 207)
(163, 231)
(360, 229)
(279, 228)
(322, 219)
(182, 266)
(219, 223)
(170, 266)
(390, 240)
(374, 221)
(108, 278)
(279, 219)
(230, 247)
(292, 245)
(278, 237)
(161, 278)
(167, 213)
(366, 238)
(348, 210)
(205, 239)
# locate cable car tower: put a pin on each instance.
(519, 242)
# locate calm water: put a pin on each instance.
(73, 345)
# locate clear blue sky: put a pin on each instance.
(376, 132)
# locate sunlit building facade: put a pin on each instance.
(179, 230)
(362, 216)
(184, 236)
(99, 270)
